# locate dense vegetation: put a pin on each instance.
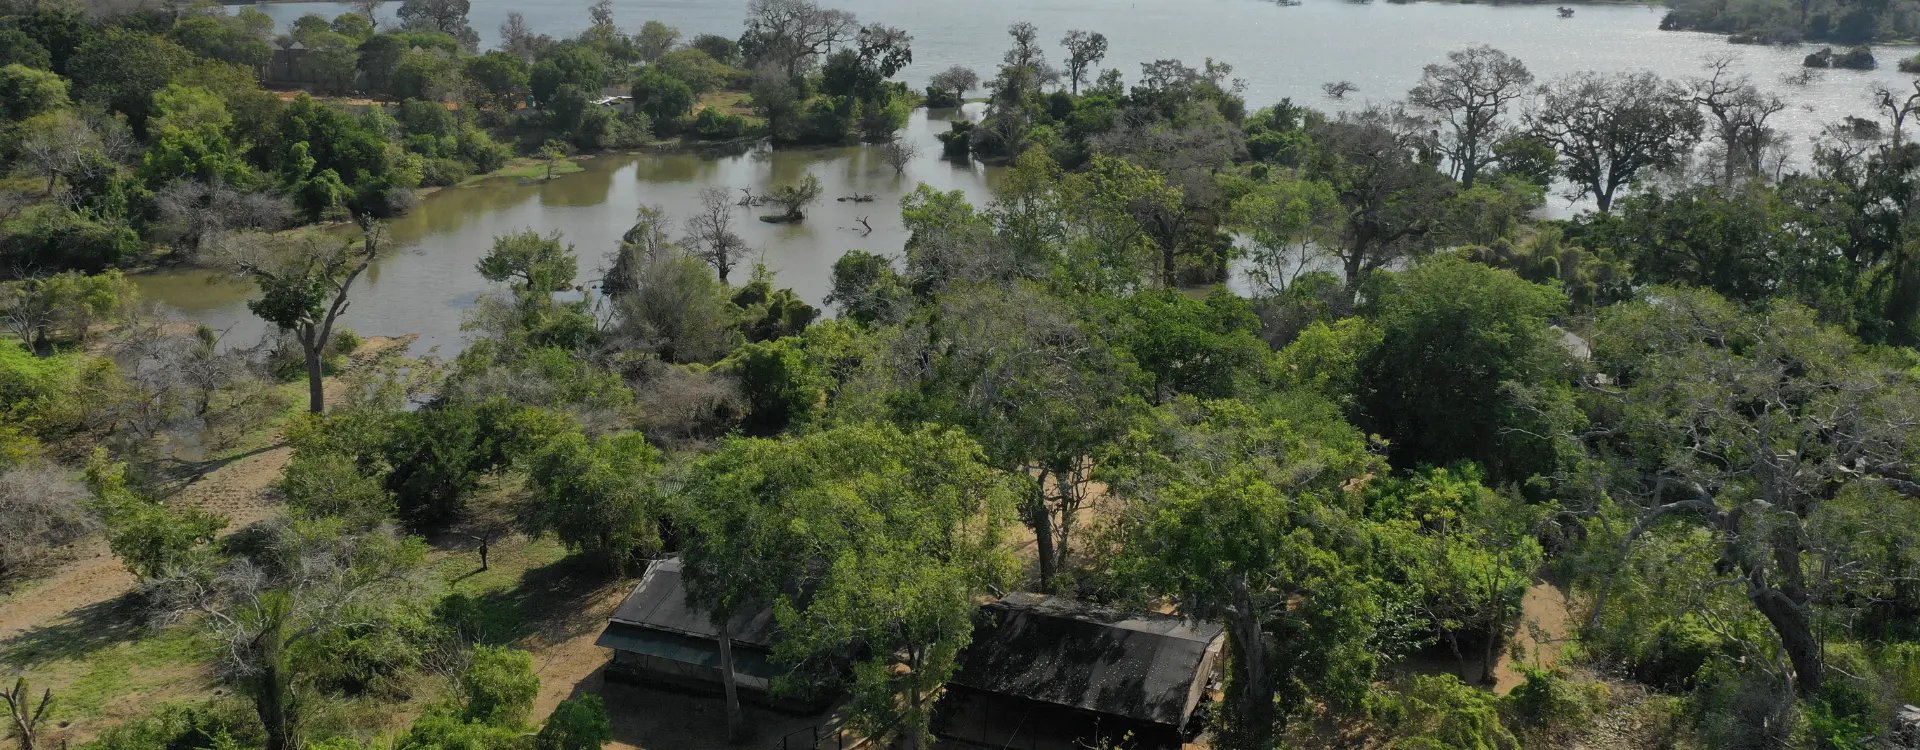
(1795, 21)
(154, 137)
(1691, 406)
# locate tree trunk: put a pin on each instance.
(736, 718)
(1042, 520)
(316, 377)
(273, 699)
(1790, 622)
(1250, 689)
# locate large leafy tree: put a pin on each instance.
(1386, 189)
(871, 544)
(1201, 347)
(123, 68)
(1037, 386)
(1753, 425)
(1467, 368)
(1237, 513)
(601, 496)
(1611, 130)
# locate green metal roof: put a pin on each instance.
(684, 649)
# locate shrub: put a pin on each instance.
(475, 147)
(185, 727)
(151, 539)
(56, 237)
(499, 686)
(41, 509)
(321, 484)
(714, 125)
(441, 172)
(1440, 712)
(1676, 654)
(576, 724)
(1549, 700)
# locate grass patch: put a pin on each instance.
(527, 169)
(102, 661)
(736, 103)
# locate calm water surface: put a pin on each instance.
(1280, 52)
(425, 286)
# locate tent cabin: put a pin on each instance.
(1047, 672)
(660, 638)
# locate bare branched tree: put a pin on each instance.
(26, 713)
(42, 508)
(899, 153)
(194, 213)
(58, 145)
(1897, 105)
(1469, 96)
(1739, 113)
(710, 235)
(792, 34)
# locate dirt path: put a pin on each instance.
(568, 662)
(1546, 626)
(239, 490)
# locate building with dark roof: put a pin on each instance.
(658, 637)
(1042, 672)
(1049, 672)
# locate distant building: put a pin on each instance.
(291, 67)
(658, 637)
(1046, 672)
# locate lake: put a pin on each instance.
(1279, 51)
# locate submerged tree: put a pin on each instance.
(1612, 129)
(710, 235)
(1469, 96)
(795, 198)
(1740, 113)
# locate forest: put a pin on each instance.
(1447, 473)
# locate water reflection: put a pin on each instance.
(425, 286)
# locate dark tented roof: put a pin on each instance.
(1067, 653)
(685, 649)
(660, 603)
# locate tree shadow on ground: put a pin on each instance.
(553, 602)
(76, 634)
(655, 717)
